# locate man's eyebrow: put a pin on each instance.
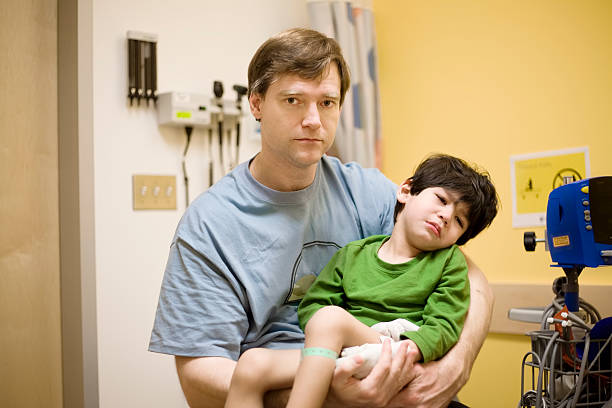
(290, 92)
(293, 92)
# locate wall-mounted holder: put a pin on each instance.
(216, 116)
(192, 109)
(142, 66)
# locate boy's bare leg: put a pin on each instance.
(329, 328)
(260, 370)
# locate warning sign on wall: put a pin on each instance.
(535, 175)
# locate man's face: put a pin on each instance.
(298, 118)
(432, 219)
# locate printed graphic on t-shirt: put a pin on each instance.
(313, 258)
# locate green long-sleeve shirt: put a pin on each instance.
(431, 290)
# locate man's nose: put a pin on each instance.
(312, 119)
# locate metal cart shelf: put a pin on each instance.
(567, 373)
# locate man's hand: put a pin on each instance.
(434, 385)
(387, 378)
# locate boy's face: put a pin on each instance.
(298, 118)
(432, 219)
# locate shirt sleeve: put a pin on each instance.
(380, 194)
(326, 290)
(200, 312)
(374, 196)
(445, 310)
(386, 201)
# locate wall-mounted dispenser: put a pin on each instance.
(142, 66)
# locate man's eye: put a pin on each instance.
(328, 103)
(291, 100)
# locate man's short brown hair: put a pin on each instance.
(300, 51)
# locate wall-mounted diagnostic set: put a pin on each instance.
(218, 117)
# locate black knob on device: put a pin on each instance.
(529, 241)
(558, 286)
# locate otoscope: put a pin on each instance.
(210, 157)
(240, 92)
(218, 91)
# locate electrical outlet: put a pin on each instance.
(154, 192)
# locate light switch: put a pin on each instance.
(154, 192)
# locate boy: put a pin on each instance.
(417, 275)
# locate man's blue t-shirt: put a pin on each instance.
(243, 256)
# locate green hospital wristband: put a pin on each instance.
(319, 351)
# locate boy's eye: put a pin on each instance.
(459, 221)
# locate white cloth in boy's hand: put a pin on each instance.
(370, 354)
(395, 328)
(349, 351)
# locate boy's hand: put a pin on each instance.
(387, 378)
(395, 328)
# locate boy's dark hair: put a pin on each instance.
(300, 51)
(473, 186)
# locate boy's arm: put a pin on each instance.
(437, 382)
(205, 380)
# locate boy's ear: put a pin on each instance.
(255, 104)
(403, 192)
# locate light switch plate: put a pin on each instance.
(152, 192)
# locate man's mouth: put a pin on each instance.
(308, 139)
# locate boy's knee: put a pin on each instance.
(326, 319)
(252, 367)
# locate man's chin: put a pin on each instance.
(308, 160)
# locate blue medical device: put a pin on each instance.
(573, 360)
(578, 230)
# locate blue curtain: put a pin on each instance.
(351, 23)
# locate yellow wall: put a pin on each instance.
(486, 80)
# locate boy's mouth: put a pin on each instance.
(434, 227)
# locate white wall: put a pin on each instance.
(198, 41)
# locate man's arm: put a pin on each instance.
(436, 383)
(205, 380)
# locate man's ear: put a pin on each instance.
(403, 192)
(255, 104)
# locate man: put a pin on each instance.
(245, 251)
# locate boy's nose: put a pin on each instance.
(445, 213)
(312, 118)
(443, 218)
